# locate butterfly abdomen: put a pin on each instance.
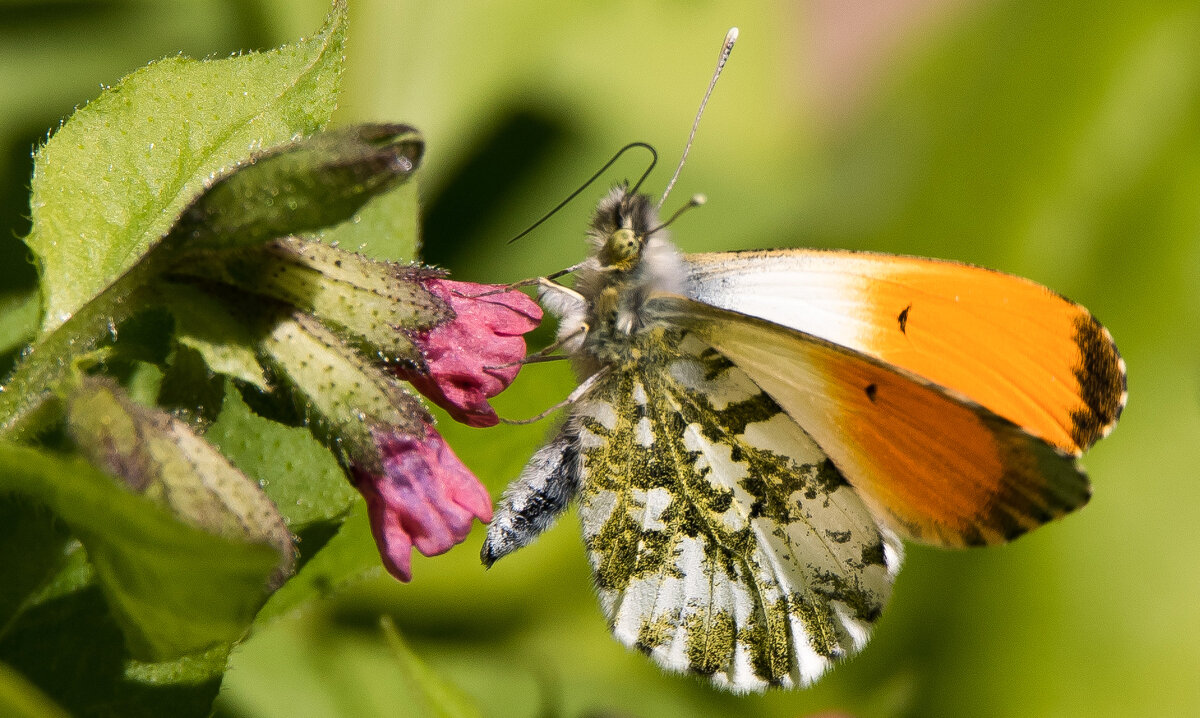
(533, 502)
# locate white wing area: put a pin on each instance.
(819, 292)
(723, 540)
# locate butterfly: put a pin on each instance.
(757, 432)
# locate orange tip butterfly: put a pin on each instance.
(756, 433)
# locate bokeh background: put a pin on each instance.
(1060, 141)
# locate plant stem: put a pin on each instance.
(25, 398)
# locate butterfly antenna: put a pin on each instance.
(696, 201)
(593, 178)
(726, 48)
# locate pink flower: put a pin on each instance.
(425, 498)
(465, 357)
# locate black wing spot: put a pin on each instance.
(903, 319)
(872, 390)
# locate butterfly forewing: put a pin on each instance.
(1024, 352)
(723, 541)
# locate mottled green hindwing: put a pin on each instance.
(723, 541)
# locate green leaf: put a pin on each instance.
(67, 643)
(203, 324)
(21, 699)
(439, 697)
(299, 475)
(348, 557)
(189, 390)
(114, 178)
(70, 647)
(343, 672)
(19, 315)
(172, 588)
(193, 668)
(311, 183)
(31, 551)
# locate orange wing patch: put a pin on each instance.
(933, 465)
(1024, 352)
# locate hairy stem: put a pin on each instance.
(27, 397)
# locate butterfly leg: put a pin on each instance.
(534, 280)
(544, 355)
(571, 399)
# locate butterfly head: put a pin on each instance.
(622, 226)
(632, 259)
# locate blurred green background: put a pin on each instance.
(1060, 141)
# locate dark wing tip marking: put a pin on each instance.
(971, 536)
(1043, 483)
(1102, 384)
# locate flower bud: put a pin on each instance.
(345, 396)
(160, 457)
(305, 185)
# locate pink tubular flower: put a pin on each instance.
(465, 357)
(425, 498)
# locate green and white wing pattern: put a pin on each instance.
(723, 541)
